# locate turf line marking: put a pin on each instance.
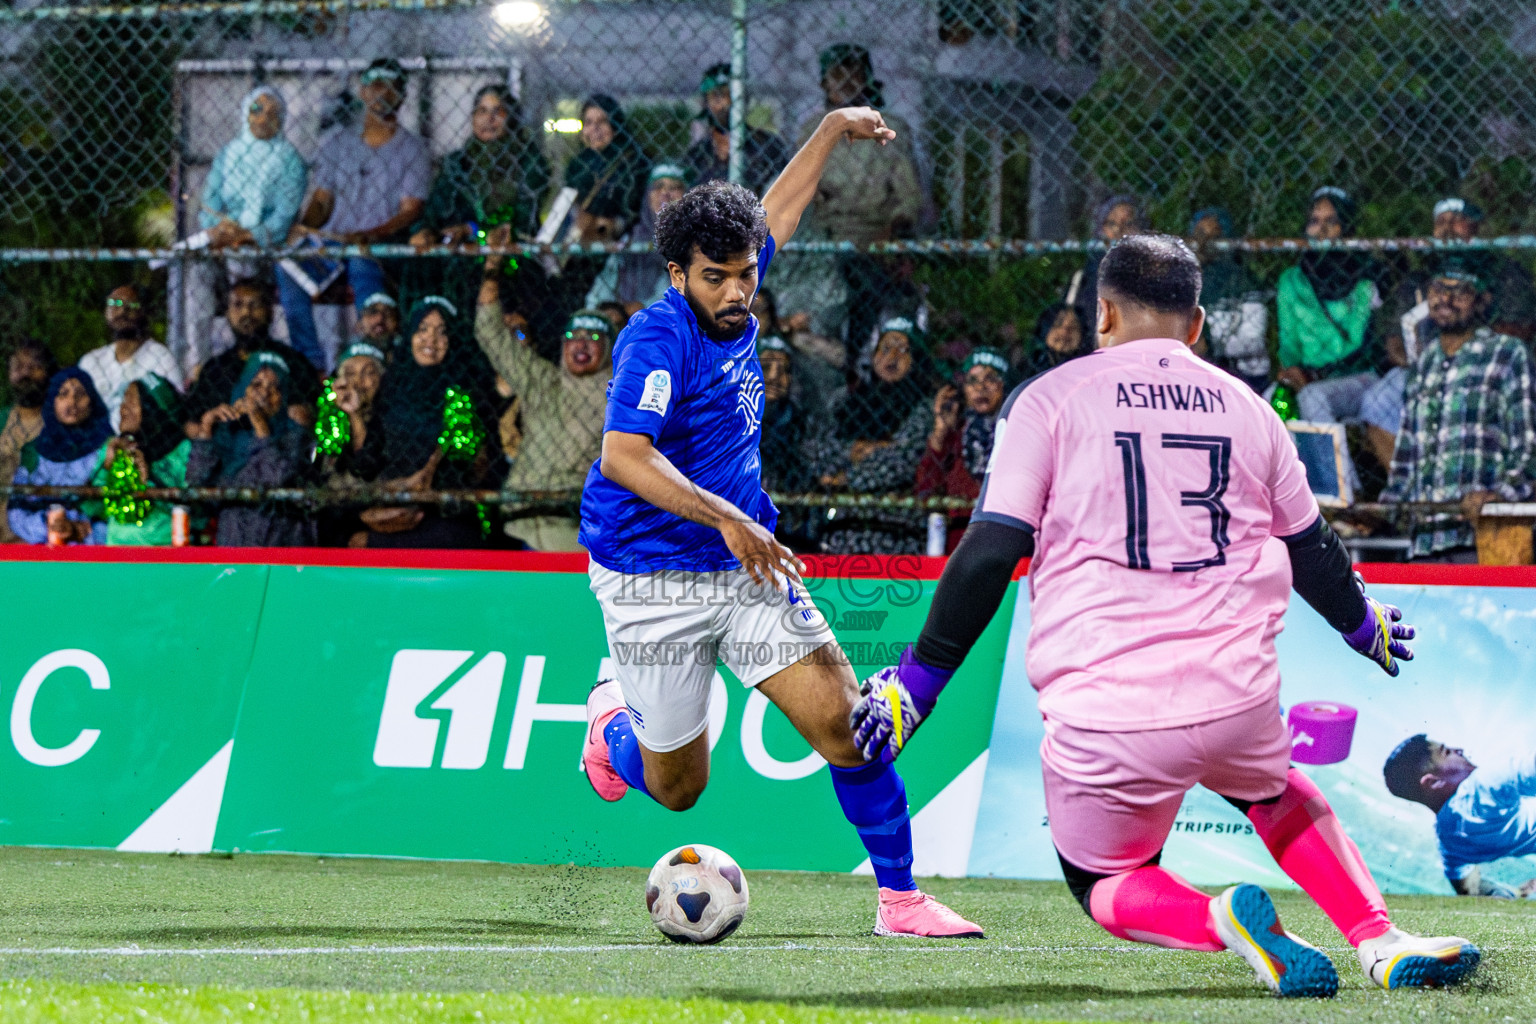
(788, 947)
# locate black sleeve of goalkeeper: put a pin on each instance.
(1322, 574)
(970, 591)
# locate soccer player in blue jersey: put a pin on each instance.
(684, 561)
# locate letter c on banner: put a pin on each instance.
(758, 758)
(26, 694)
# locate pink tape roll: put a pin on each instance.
(1321, 732)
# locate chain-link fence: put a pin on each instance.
(176, 148)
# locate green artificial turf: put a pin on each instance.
(293, 938)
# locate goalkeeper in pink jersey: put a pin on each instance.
(1168, 517)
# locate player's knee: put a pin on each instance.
(679, 797)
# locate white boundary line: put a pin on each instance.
(788, 947)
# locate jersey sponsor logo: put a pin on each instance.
(1184, 397)
(657, 394)
(748, 403)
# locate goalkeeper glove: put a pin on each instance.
(1381, 636)
(892, 704)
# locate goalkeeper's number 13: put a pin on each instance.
(1218, 452)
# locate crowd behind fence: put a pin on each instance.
(359, 267)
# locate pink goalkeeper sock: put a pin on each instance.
(1309, 844)
(1157, 906)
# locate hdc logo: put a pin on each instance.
(410, 735)
(427, 689)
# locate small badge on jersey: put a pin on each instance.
(657, 394)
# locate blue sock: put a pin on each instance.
(624, 751)
(874, 800)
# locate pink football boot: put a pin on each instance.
(603, 702)
(917, 913)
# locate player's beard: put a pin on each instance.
(711, 327)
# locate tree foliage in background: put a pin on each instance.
(1252, 106)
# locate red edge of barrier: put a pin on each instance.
(908, 567)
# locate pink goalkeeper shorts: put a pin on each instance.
(1112, 796)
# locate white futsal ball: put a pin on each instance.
(696, 893)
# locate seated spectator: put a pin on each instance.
(369, 187)
(867, 193)
(498, 177)
(960, 443)
(250, 318)
(251, 442)
(818, 370)
(608, 174)
(131, 353)
(1329, 348)
(709, 158)
(1113, 219)
(1512, 312)
(795, 443)
(634, 280)
(29, 367)
(883, 426)
(65, 453)
(250, 198)
(412, 401)
(378, 325)
(562, 413)
(1236, 317)
(1061, 334)
(1469, 428)
(150, 430)
(360, 370)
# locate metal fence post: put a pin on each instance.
(738, 89)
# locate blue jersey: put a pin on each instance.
(701, 403)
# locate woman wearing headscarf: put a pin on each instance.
(883, 425)
(1113, 219)
(960, 443)
(412, 403)
(150, 431)
(637, 279)
(251, 198)
(1329, 351)
(608, 174)
(251, 442)
(1061, 333)
(360, 370)
(65, 454)
(498, 177)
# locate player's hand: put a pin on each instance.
(886, 715)
(862, 123)
(762, 556)
(1382, 636)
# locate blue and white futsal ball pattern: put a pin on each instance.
(696, 893)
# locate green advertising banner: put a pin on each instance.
(122, 683)
(441, 715)
(421, 713)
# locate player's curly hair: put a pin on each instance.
(720, 220)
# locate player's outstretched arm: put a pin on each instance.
(795, 186)
(632, 462)
(894, 701)
(1322, 574)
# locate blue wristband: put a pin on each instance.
(923, 682)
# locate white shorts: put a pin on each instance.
(666, 629)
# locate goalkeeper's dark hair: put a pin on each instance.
(1406, 766)
(718, 219)
(1156, 271)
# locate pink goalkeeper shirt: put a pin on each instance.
(1156, 485)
